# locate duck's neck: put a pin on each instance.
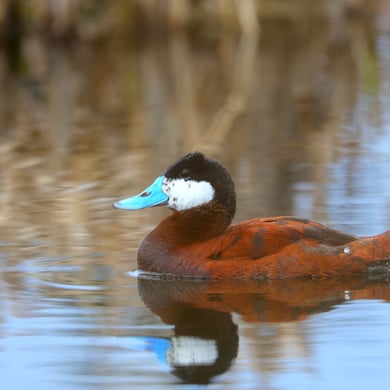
(187, 227)
(195, 225)
(179, 230)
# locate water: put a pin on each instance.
(299, 115)
(120, 332)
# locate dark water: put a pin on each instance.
(298, 112)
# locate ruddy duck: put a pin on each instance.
(197, 240)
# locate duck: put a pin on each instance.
(198, 239)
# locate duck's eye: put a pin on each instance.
(185, 173)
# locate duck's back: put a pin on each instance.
(260, 237)
(285, 247)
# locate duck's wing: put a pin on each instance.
(311, 230)
(262, 237)
(287, 247)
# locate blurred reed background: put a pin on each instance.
(98, 97)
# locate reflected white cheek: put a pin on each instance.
(185, 194)
(191, 351)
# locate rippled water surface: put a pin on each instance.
(297, 109)
(57, 333)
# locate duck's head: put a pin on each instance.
(192, 181)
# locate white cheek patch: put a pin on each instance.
(185, 194)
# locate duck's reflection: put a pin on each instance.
(205, 340)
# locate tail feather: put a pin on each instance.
(372, 249)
